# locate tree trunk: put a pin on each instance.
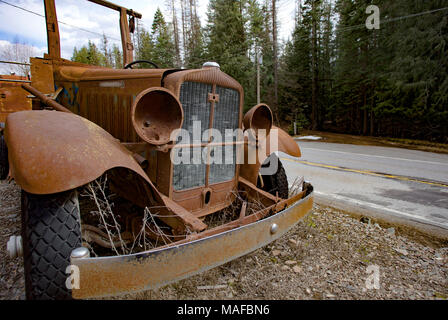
(314, 81)
(274, 42)
(176, 34)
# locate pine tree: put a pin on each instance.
(227, 41)
(164, 52)
(194, 41)
(89, 55)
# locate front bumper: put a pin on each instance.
(108, 276)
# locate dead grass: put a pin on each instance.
(325, 256)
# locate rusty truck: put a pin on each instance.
(91, 121)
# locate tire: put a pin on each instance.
(277, 182)
(51, 229)
(4, 165)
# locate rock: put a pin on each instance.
(402, 251)
(438, 257)
(365, 220)
(276, 252)
(293, 242)
(297, 269)
(329, 295)
(290, 262)
(308, 290)
(351, 288)
(391, 231)
(285, 268)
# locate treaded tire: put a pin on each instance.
(51, 229)
(4, 165)
(277, 182)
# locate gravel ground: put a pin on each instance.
(328, 255)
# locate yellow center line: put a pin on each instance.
(384, 175)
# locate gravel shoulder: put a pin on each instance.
(329, 255)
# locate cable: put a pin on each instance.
(394, 19)
(61, 22)
(362, 26)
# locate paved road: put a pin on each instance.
(398, 182)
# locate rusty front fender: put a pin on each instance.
(285, 143)
(51, 151)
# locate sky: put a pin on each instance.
(29, 28)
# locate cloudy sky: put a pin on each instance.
(30, 28)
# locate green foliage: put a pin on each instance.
(89, 55)
(106, 57)
(163, 49)
(158, 45)
(395, 77)
(227, 40)
(334, 73)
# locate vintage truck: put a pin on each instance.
(94, 121)
(12, 99)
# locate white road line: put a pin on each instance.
(370, 155)
(357, 202)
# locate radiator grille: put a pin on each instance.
(226, 116)
(194, 99)
(190, 175)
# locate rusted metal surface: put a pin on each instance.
(113, 6)
(259, 117)
(42, 74)
(220, 193)
(127, 45)
(53, 40)
(155, 114)
(116, 275)
(119, 123)
(46, 100)
(285, 143)
(51, 151)
(21, 81)
(125, 30)
(112, 92)
(12, 96)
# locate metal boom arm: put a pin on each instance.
(53, 38)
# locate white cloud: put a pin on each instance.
(30, 28)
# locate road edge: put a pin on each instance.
(364, 209)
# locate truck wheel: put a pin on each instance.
(277, 182)
(4, 165)
(51, 229)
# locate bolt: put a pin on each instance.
(80, 253)
(274, 228)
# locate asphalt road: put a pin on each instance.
(408, 184)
